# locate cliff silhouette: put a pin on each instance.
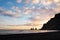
(53, 24)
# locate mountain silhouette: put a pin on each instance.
(53, 24)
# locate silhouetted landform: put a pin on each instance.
(33, 29)
(53, 24)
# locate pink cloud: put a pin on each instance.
(15, 8)
(27, 11)
(18, 11)
(57, 9)
(13, 14)
(19, 1)
(28, 1)
(9, 12)
(42, 16)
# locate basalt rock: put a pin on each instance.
(53, 24)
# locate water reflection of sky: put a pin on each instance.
(4, 32)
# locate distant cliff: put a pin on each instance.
(53, 24)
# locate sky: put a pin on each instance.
(27, 12)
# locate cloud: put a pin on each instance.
(17, 9)
(2, 21)
(41, 16)
(48, 2)
(57, 9)
(2, 9)
(32, 1)
(27, 1)
(27, 11)
(19, 1)
(56, 1)
(47, 13)
(10, 13)
(35, 1)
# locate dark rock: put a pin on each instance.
(53, 24)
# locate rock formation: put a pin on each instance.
(53, 24)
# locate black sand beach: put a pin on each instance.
(32, 36)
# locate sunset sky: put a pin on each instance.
(27, 12)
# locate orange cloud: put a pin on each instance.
(48, 2)
(35, 1)
(56, 1)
